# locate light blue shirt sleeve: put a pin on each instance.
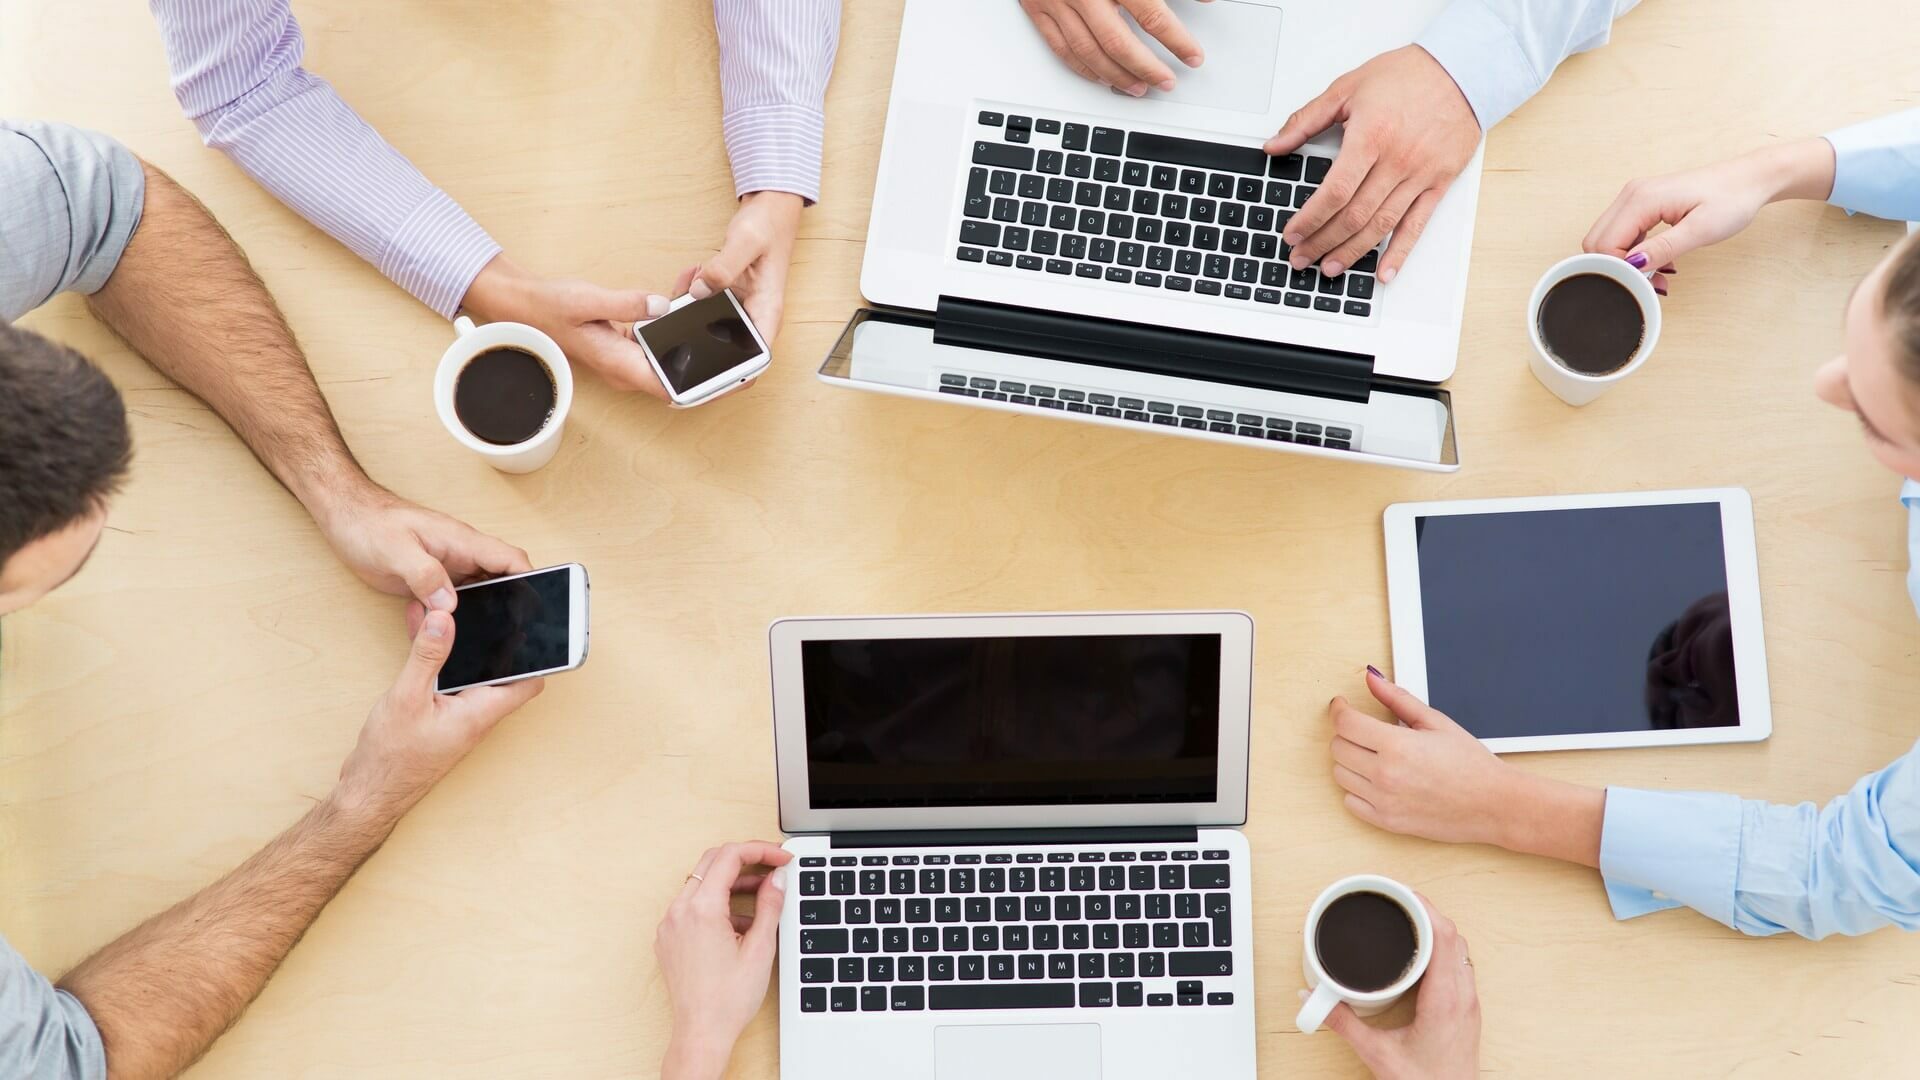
(1876, 167)
(45, 1033)
(1501, 52)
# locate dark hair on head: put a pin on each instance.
(1901, 305)
(64, 441)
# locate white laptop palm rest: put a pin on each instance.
(1034, 215)
(1016, 846)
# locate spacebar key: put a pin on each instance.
(1250, 160)
(1010, 996)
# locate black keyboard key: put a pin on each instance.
(1060, 966)
(1052, 162)
(1186, 855)
(1199, 963)
(1110, 141)
(1280, 436)
(1074, 137)
(1252, 433)
(1218, 267)
(844, 860)
(1107, 170)
(1325, 303)
(1206, 238)
(1033, 966)
(1004, 183)
(1221, 998)
(1368, 263)
(1131, 254)
(1279, 194)
(1307, 440)
(1220, 429)
(1317, 169)
(1145, 202)
(1153, 965)
(1006, 909)
(1164, 178)
(926, 939)
(1079, 166)
(1033, 213)
(909, 998)
(992, 119)
(973, 255)
(1015, 237)
(1267, 296)
(1000, 967)
(846, 998)
(1047, 127)
(1029, 262)
(1046, 241)
(1249, 160)
(816, 969)
(1219, 414)
(1117, 198)
(1136, 416)
(973, 968)
(1020, 123)
(873, 999)
(980, 909)
(1066, 908)
(1105, 935)
(1267, 246)
(813, 999)
(1059, 191)
(1014, 995)
(1245, 271)
(1120, 226)
(1215, 877)
(880, 968)
(1188, 263)
(1093, 966)
(1107, 411)
(1174, 206)
(1006, 210)
(1234, 242)
(1301, 194)
(1300, 300)
(1220, 187)
(823, 941)
(1355, 307)
(1166, 421)
(1190, 411)
(1159, 1000)
(1096, 995)
(1359, 286)
(819, 912)
(1000, 155)
(1287, 167)
(814, 883)
(1179, 284)
(1194, 425)
(1102, 250)
(1087, 194)
(1202, 210)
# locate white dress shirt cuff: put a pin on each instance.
(776, 147)
(1486, 61)
(1665, 849)
(437, 252)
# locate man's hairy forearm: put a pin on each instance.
(185, 297)
(163, 992)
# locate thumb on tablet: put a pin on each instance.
(1408, 709)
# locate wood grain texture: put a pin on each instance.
(189, 694)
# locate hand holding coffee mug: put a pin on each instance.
(1368, 941)
(1594, 320)
(504, 390)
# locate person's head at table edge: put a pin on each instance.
(65, 444)
(64, 434)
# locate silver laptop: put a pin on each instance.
(1043, 245)
(1015, 842)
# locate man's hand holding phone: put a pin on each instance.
(414, 735)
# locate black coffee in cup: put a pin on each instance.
(504, 396)
(1592, 324)
(1366, 941)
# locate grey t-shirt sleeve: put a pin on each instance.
(71, 201)
(45, 1033)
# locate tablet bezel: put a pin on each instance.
(797, 814)
(1743, 599)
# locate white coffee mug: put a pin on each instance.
(1571, 386)
(1327, 993)
(522, 457)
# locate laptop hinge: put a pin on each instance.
(1158, 350)
(1152, 834)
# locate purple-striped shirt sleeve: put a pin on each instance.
(775, 59)
(236, 71)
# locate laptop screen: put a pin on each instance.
(1012, 721)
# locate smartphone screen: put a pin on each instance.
(506, 628)
(700, 342)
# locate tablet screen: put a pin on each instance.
(1566, 622)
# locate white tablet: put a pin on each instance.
(1582, 621)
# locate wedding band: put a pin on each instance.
(693, 877)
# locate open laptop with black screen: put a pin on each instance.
(1015, 844)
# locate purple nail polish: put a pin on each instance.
(1375, 672)
(1659, 290)
(1637, 260)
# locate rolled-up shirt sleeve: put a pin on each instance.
(1501, 52)
(70, 201)
(1876, 167)
(237, 74)
(45, 1033)
(776, 57)
(1849, 867)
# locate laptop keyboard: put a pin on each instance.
(1006, 930)
(1047, 196)
(1263, 426)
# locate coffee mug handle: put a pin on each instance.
(1314, 1012)
(462, 326)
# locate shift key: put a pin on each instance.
(1001, 155)
(1190, 964)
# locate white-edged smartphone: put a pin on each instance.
(701, 349)
(519, 627)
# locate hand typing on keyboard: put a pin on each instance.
(1090, 37)
(1409, 132)
(716, 964)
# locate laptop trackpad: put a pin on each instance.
(1242, 43)
(1018, 1052)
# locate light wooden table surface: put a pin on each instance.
(188, 695)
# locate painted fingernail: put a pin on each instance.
(1661, 289)
(1669, 269)
(1637, 260)
(441, 600)
(1375, 672)
(1331, 268)
(700, 291)
(778, 879)
(657, 307)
